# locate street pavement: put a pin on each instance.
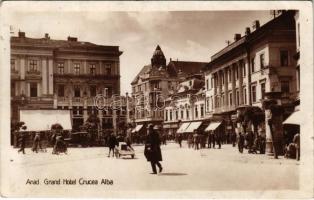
(184, 170)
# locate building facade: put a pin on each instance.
(63, 74)
(185, 106)
(254, 66)
(154, 83)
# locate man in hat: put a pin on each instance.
(152, 150)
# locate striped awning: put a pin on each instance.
(212, 126)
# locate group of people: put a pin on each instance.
(199, 140)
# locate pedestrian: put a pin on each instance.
(233, 138)
(22, 141)
(36, 143)
(196, 140)
(241, 142)
(180, 140)
(152, 149)
(218, 139)
(296, 141)
(112, 143)
(250, 141)
(190, 140)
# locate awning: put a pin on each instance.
(294, 118)
(183, 127)
(41, 120)
(166, 126)
(212, 126)
(192, 127)
(137, 128)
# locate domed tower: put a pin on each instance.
(158, 60)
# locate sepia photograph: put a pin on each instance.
(135, 100)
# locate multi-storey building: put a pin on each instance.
(258, 63)
(63, 74)
(185, 109)
(154, 83)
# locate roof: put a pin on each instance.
(144, 70)
(282, 21)
(186, 67)
(51, 43)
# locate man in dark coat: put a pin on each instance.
(152, 150)
(112, 143)
(22, 141)
(36, 143)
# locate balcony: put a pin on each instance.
(33, 75)
(88, 76)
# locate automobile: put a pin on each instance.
(124, 150)
(78, 139)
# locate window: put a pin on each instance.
(108, 69)
(170, 112)
(196, 112)
(243, 70)
(229, 75)
(177, 114)
(187, 114)
(166, 115)
(263, 90)
(212, 82)
(202, 110)
(262, 60)
(13, 66)
(253, 65)
(230, 99)
(253, 90)
(76, 68)
(61, 90)
(77, 91)
(283, 58)
(33, 66)
(33, 89)
(181, 114)
(207, 84)
(236, 72)
(207, 104)
(244, 95)
(92, 89)
(237, 97)
(12, 89)
(285, 86)
(60, 68)
(222, 78)
(92, 69)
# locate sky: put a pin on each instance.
(182, 35)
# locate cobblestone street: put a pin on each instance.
(211, 169)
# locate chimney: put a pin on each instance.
(237, 37)
(247, 31)
(21, 34)
(72, 39)
(47, 36)
(170, 59)
(256, 25)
